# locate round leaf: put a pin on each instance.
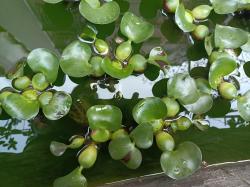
(57, 148)
(182, 162)
(134, 159)
(120, 147)
(143, 135)
(74, 60)
(135, 28)
(107, 117)
(202, 105)
(243, 104)
(220, 68)
(224, 7)
(105, 14)
(20, 107)
(44, 61)
(226, 37)
(58, 106)
(149, 109)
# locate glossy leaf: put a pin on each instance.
(243, 104)
(202, 105)
(149, 109)
(58, 106)
(57, 148)
(74, 60)
(88, 34)
(133, 160)
(139, 62)
(220, 68)
(201, 11)
(228, 90)
(182, 20)
(224, 7)
(246, 46)
(20, 107)
(96, 63)
(21, 83)
(88, 156)
(104, 14)
(172, 105)
(165, 141)
(120, 147)
(203, 85)
(100, 135)
(135, 28)
(39, 82)
(158, 56)
(115, 68)
(73, 179)
(107, 117)
(209, 44)
(227, 37)
(142, 135)
(182, 162)
(181, 82)
(44, 61)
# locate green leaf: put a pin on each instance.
(107, 117)
(181, 82)
(220, 68)
(158, 57)
(44, 61)
(143, 135)
(52, 1)
(88, 156)
(246, 47)
(224, 7)
(134, 159)
(209, 44)
(226, 37)
(115, 68)
(73, 179)
(202, 105)
(182, 162)
(120, 147)
(164, 141)
(105, 14)
(246, 67)
(57, 148)
(58, 106)
(74, 60)
(135, 28)
(149, 109)
(182, 20)
(20, 107)
(243, 104)
(203, 85)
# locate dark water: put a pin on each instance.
(25, 160)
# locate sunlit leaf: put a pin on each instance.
(243, 104)
(44, 61)
(224, 7)
(149, 109)
(58, 106)
(135, 28)
(182, 20)
(104, 117)
(20, 107)
(226, 37)
(220, 68)
(74, 60)
(182, 162)
(105, 14)
(143, 136)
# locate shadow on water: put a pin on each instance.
(24, 145)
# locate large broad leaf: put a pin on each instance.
(134, 159)
(224, 7)
(120, 147)
(182, 162)
(20, 107)
(182, 20)
(221, 67)
(107, 13)
(58, 106)
(73, 179)
(135, 28)
(143, 135)
(74, 60)
(115, 69)
(104, 117)
(149, 109)
(202, 105)
(183, 88)
(243, 103)
(226, 37)
(44, 61)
